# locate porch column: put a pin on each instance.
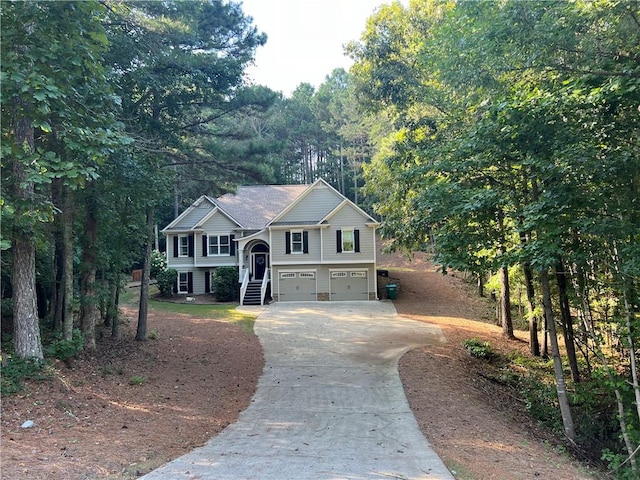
(240, 263)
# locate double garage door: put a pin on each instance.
(302, 286)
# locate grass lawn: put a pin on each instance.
(221, 313)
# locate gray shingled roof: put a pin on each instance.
(254, 207)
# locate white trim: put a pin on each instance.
(252, 262)
(353, 239)
(186, 290)
(219, 245)
(291, 205)
(186, 255)
(346, 263)
(354, 269)
(297, 272)
(358, 210)
(215, 210)
(186, 212)
(301, 242)
(349, 274)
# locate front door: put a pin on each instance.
(260, 262)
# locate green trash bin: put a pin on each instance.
(392, 291)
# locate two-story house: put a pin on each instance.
(298, 242)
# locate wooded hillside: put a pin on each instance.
(501, 136)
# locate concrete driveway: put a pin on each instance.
(329, 404)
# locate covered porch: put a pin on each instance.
(254, 269)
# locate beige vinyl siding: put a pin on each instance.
(349, 218)
(198, 281)
(194, 216)
(179, 263)
(278, 247)
(218, 225)
(313, 207)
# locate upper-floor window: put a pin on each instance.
(297, 241)
(348, 240)
(183, 242)
(219, 244)
(183, 245)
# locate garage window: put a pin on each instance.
(359, 274)
(338, 274)
(287, 275)
(307, 274)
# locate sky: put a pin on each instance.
(305, 38)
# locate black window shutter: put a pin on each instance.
(205, 246)
(207, 281)
(232, 246)
(175, 285)
(287, 240)
(175, 246)
(305, 242)
(189, 282)
(339, 241)
(191, 245)
(356, 240)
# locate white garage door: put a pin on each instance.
(297, 287)
(349, 285)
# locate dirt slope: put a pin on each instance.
(472, 423)
(91, 422)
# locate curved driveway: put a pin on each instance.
(329, 404)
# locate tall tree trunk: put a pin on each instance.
(480, 284)
(57, 307)
(26, 325)
(566, 322)
(113, 304)
(561, 388)
(90, 312)
(597, 349)
(534, 345)
(67, 264)
(141, 333)
(630, 321)
(544, 351)
(505, 303)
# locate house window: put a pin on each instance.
(347, 241)
(183, 242)
(219, 244)
(296, 242)
(183, 282)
